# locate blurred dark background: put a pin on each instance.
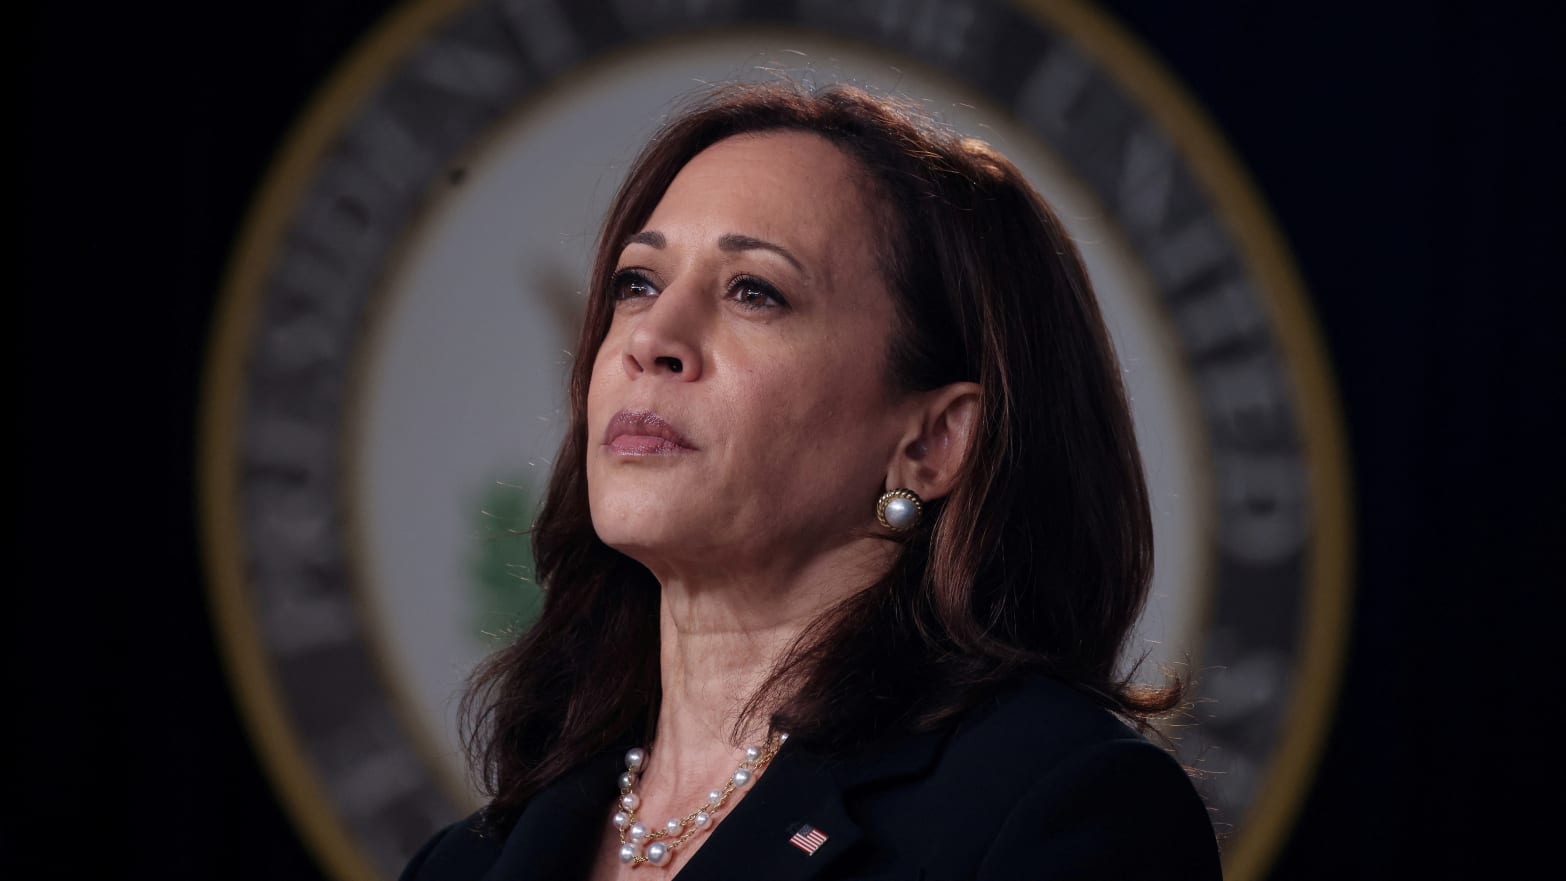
(1410, 154)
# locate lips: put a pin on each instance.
(644, 433)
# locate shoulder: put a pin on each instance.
(1056, 776)
(1032, 728)
(457, 851)
(1039, 713)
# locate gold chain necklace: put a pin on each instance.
(639, 844)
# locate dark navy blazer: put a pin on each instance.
(1039, 783)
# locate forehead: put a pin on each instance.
(794, 188)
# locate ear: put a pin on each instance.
(940, 431)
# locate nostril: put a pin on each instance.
(673, 364)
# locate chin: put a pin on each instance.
(630, 522)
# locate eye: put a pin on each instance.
(630, 284)
(753, 293)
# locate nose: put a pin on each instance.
(665, 341)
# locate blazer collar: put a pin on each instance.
(555, 834)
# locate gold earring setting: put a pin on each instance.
(899, 510)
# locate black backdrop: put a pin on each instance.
(1409, 155)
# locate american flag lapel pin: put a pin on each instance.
(808, 839)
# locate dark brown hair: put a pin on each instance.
(1039, 559)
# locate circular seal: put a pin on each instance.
(386, 376)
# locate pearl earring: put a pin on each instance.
(899, 509)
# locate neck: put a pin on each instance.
(721, 635)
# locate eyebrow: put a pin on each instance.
(732, 242)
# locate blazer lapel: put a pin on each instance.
(798, 793)
(554, 836)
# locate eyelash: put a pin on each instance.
(621, 279)
(625, 277)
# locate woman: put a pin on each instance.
(845, 538)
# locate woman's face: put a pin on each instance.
(738, 415)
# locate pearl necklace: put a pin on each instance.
(660, 843)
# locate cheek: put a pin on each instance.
(842, 379)
(823, 406)
(600, 407)
(599, 381)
